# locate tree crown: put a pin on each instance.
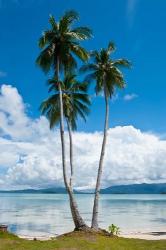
(105, 70)
(62, 43)
(76, 101)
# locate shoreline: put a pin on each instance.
(155, 235)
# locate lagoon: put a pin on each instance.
(49, 214)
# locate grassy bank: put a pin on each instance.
(79, 241)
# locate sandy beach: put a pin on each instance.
(158, 235)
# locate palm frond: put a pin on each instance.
(80, 52)
(53, 23)
(80, 87)
(62, 42)
(87, 67)
(105, 71)
(121, 62)
(70, 64)
(50, 108)
(99, 86)
(54, 118)
(81, 33)
(81, 113)
(45, 59)
(84, 98)
(111, 47)
(46, 38)
(67, 19)
(76, 101)
(73, 124)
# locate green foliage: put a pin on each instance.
(76, 101)
(114, 229)
(105, 71)
(62, 42)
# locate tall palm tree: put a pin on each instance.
(75, 103)
(106, 72)
(60, 45)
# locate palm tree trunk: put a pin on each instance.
(100, 169)
(74, 208)
(78, 221)
(71, 153)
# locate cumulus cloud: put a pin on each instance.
(130, 97)
(31, 153)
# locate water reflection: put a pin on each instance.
(28, 214)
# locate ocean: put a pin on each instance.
(49, 214)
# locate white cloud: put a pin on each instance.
(31, 153)
(130, 97)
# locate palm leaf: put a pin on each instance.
(105, 71)
(121, 62)
(45, 59)
(111, 47)
(68, 18)
(54, 25)
(76, 101)
(80, 52)
(81, 33)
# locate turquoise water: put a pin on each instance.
(49, 214)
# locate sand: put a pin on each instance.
(159, 235)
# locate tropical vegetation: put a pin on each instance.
(60, 51)
(60, 46)
(106, 73)
(68, 101)
(76, 103)
(114, 230)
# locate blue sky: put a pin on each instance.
(136, 26)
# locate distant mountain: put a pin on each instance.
(54, 190)
(121, 189)
(136, 189)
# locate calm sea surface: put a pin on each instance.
(49, 214)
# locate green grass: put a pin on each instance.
(80, 241)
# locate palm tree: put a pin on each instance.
(76, 103)
(106, 72)
(60, 45)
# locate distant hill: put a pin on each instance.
(159, 188)
(54, 190)
(136, 189)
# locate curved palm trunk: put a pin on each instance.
(74, 208)
(71, 153)
(78, 221)
(100, 169)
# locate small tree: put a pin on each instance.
(114, 229)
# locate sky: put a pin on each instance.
(137, 131)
